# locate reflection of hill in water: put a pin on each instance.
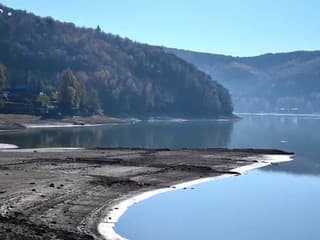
(292, 133)
(177, 135)
(297, 134)
(202, 134)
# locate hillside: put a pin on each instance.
(283, 82)
(81, 71)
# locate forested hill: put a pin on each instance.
(85, 69)
(282, 82)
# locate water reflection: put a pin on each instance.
(200, 134)
(299, 134)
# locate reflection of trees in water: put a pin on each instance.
(172, 135)
(154, 135)
(302, 136)
(68, 137)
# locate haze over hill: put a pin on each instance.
(84, 70)
(283, 82)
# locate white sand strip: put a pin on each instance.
(7, 146)
(61, 125)
(106, 227)
(42, 150)
(281, 114)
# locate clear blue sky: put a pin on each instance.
(235, 27)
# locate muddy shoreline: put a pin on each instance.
(59, 194)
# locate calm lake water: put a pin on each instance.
(277, 202)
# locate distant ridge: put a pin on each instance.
(272, 82)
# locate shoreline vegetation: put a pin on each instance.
(81, 193)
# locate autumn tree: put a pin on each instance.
(70, 95)
(44, 100)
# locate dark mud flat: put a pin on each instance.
(64, 194)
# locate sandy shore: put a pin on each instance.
(80, 194)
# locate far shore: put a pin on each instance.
(62, 193)
(14, 122)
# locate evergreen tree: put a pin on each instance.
(3, 76)
(3, 80)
